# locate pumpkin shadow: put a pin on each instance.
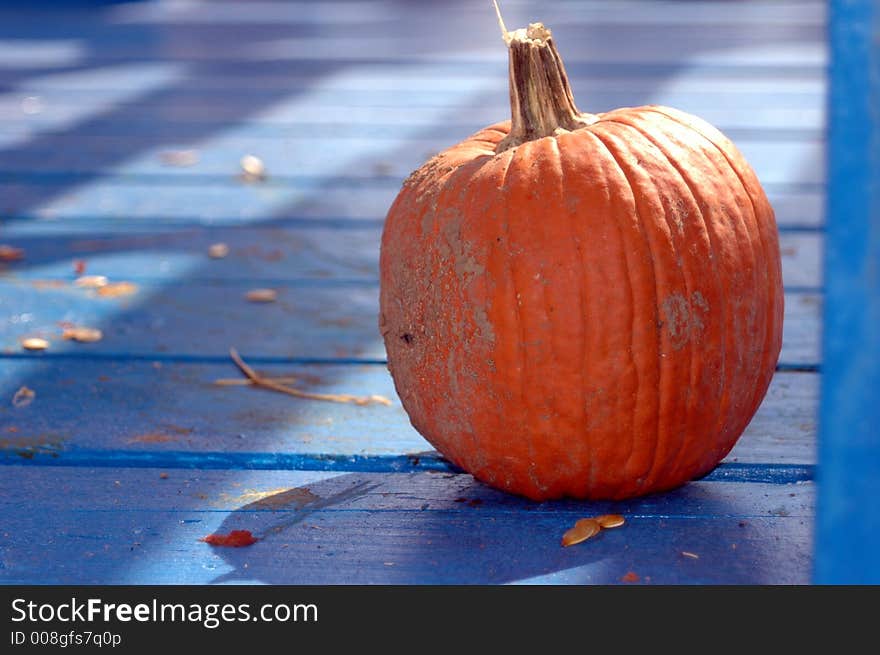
(448, 529)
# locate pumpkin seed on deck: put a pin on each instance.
(34, 343)
(261, 295)
(252, 169)
(10, 254)
(91, 281)
(583, 529)
(610, 521)
(218, 251)
(117, 289)
(82, 334)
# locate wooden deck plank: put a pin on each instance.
(799, 49)
(114, 206)
(784, 162)
(577, 13)
(265, 81)
(309, 319)
(164, 406)
(343, 250)
(410, 36)
(132, 526)
(186, 122)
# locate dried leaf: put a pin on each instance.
(10, 254)
(91, 281)
(610, 520)
(218, 251)
(34, 343)
(235, 539)
(261, 295)
(583, 529)
(117, 289)
(23, 397)
(82, 334)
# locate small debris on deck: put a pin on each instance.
(117, 289)
(253, 169)
(82, 334)
(10, 254)
(179, 158)
(261, 295)
(34, 343)
(587, 528)
(23, 397)
(631, 576)
(91, 281)
(218, 251)
(235, 539)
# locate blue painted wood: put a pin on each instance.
(365, 14)
(331, 249)
(391, 77)
(848, 522)
(131, 525)
(50, 455)
(475, 40)
(771, 124)
(150, 406)
(113, 206)
(291, 160)
(312, 317)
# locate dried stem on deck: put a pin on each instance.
(267, 383)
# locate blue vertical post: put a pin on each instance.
(848, 512)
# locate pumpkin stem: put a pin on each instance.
(541, 102)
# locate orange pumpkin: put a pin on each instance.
(582, 305)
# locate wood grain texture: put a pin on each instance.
(312, 318)
(288, 160)
(132, 526)
(48, 206)
(148, 406)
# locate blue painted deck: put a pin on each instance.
(129, 453)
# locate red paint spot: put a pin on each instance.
(235, 539)
(632, 576)
(79, 266)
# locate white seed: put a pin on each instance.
(253, 167)
(91, 281)
(34, 343)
